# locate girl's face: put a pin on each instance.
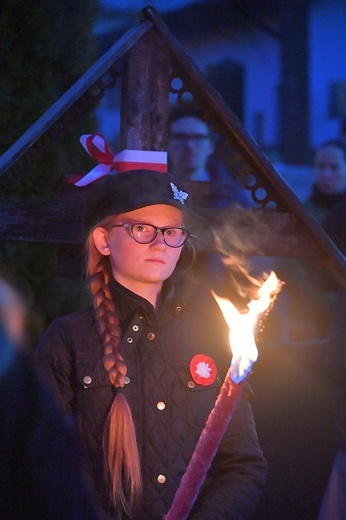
(134, 265)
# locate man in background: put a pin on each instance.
(191, 146)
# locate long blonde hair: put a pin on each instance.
(119, 437)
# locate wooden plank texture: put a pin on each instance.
(61, 221)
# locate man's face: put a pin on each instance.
(330, 170)
(189, 146)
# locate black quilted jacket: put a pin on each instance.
(168, 408)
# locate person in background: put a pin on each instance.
(307, 302)
(191, 146)
(41, 476)
(334, 501)
(126, 367)
(330, 178)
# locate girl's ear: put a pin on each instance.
(100, 237)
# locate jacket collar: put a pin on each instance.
(129, 303)
(325, 200)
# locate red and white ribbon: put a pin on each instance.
(97, 147)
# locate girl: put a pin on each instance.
(126, 367)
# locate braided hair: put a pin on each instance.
(119, 437)
(112, 196)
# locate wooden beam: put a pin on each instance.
(145, 94)
(34, 219)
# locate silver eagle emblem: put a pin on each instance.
(179, 194)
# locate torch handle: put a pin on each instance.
(206, 448)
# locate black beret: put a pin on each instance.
(127, 191)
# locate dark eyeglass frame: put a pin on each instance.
(182, 137)
(130, 226)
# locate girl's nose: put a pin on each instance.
(158, 241)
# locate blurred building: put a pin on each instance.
(279, 65)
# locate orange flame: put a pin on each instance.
(242, 326)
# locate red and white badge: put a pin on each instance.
(203, 370)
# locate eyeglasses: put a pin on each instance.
(194, 138)
(146, 233)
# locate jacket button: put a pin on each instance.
(191, 384)
(127, 380)
(160, 405)
(129, 340)
(161, 479)
(87, 380)
(135, 328)
(151, 336)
